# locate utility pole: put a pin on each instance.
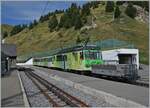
(115, 33)
(85, 41)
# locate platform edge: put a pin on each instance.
(26, 103)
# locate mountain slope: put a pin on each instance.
(41, 39)
(6, 28)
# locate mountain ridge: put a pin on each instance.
(127, 29)
(6, 28)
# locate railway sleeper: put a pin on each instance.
(70, 100)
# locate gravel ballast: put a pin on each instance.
(35, 97)
(91, 100)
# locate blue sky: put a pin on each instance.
(23, 12)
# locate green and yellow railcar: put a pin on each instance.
(77, 58)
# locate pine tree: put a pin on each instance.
(131, 11)
(78, 40)
(117, 12)
(5, 34)
(53, 23)
(78, 23)
(94, 4)
(84, 19)
(44, 18)
(31, 26)
(67, 22)
(85, 10)
(24, 26)
(16, 29)
(120, 2)
(61, 22)
(75, 13)
(109, 6)
(71, 14)
(35, 23)
(41, 19)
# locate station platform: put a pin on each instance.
(134, 93)
(11, 91)
(144, 73)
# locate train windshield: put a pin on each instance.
(92, 54)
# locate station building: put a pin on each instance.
(121, 56)
(8, 57)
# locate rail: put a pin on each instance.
(61, 94)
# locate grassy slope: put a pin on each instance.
(6, 27)
(40, 39)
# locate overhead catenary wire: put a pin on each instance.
(43, 11)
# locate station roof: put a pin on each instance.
(9, 50)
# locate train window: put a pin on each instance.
(92, 55)
(99, 55)
(53, 58)
(49, 59)
(81, 55)
(36, 60)
(61, 58)
(45, 59)
(75, 54)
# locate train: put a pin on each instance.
(88, 60)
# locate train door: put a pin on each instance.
(62, 61)
(49, 62)
(65, 62)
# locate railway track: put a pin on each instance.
(56, 96)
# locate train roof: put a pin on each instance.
(78, 48)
